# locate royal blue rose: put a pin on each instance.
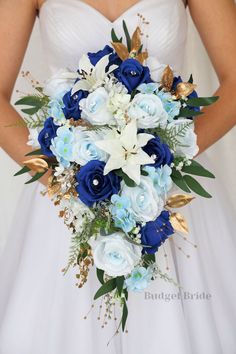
(113, 58)
(159, 151)
(93, 186)
(178, 80)
(154, 233)
(48, 133)
(132, 74)
(71, 107)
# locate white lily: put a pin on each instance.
(126, 151)
(91, 77)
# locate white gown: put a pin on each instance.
(41, 312)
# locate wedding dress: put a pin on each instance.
(41, 311)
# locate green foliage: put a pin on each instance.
(171, 135)
(186, 112)
(35, 121)
(177, 178)
(128, 181)
(107, 287)
(148, 259)
(114, 37)
(196, 187)
(36, 102)
(36, 177)
(127, 36)
(119, 284)
(196, 169)
(124, 316)
(35, 152)
(24, 169)
(100, 275)
(201, 101)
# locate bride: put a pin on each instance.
(40, 311)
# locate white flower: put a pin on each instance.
(91, 77)
(60, 83)
(148, 110)
(94, 107)
(84, 148)
(118, 104)
(114, 254)
(33, 137)
(156, 68)
(126, 152)
(188, 147)
(145, 202)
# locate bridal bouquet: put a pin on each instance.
(118, 139)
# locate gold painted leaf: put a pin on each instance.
(179, 223)
(167, 78)
(121, 50)
(136, 40)
(184, 89)
(54, 189)
(37, 164)
(141, 57)
(179, 200)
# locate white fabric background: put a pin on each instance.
(197, 63)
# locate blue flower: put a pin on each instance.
(55, 110)
(154, 233)
(161, 178)
(93, 186)
(172, 107)
(62, 146)
(139, 279)
(152, 87)
(194, 94)
(113, 58)
(46, 135)
(159, 151)
(122, 213)
(71, 107)
(132, 74)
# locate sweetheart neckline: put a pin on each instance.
(100, 14)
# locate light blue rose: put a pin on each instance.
(122, 213)
(148, 88)
(62, 146)
(171, 107)
(161, 178)
(55, 111)
(139, 279)
(85, 150)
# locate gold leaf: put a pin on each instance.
(36, 164)
(179, 223)
(121, 50)
(136, 40)
(53, 189)
(141, 57)
(167, 78)
(184, 89)
(179, 200)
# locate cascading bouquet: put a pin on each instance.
(118, 137)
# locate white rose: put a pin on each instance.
(33, 137)
(148, 111)
(145, 202)
(156, 68)
(114, 254)
(58, 84)
(95, 107)
(84, 148)
(189, 140)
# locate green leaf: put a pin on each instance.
(127, 36)
(30, 111)
(36, 177)
(114, 36)
(24, 169)
(125, 291)
(34, 101)
(100, 275)
(120, 284)
(144, 173)
(177, 178)
(140, 49)
(196, 187)
(35, 152)
(124, 316)
(185, 112)
(128, 181)
(149, 258)
(190, 80)
(196, 169)
(202, 101)
(105, 288)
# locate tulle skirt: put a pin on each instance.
(42, 312)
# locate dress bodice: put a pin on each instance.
(70, 28)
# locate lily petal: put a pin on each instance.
(133, 172)
(141, 158)
(129, 135)
(111, 146)
(85, 64)
(113, 164)
(80, 85)
(143, 139)
(101, 66)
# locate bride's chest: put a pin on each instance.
(70, 28)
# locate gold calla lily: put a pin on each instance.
(37, 164)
